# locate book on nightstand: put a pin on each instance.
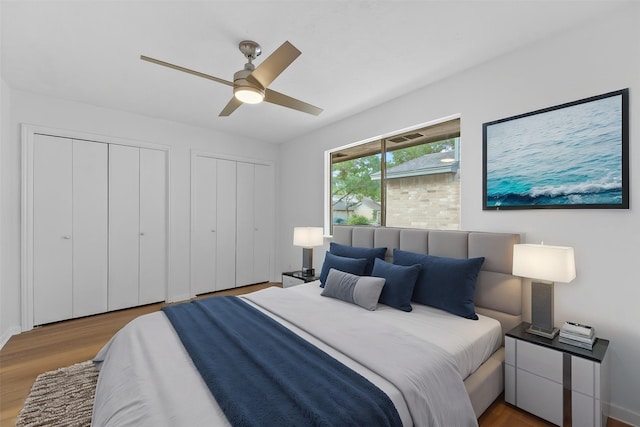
(578, 335)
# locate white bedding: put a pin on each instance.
(471, 342)
(147, 378)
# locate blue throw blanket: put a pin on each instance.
(262, 374)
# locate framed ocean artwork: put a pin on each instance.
(571, 156)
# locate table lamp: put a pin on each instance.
(307, 237)
(543, 264)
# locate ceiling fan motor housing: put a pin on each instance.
(246, 89)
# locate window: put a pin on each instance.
(411, 179)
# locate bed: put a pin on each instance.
(147, 376)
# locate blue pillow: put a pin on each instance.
(445, 283)
(356, 252)
(399, 283)
(348, 265)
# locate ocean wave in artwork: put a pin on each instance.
(588, 193)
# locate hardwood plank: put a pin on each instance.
(502, 414)
(61, 344)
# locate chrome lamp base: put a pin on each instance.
(307, 262)
(535, 330)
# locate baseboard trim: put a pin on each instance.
(624, 415)
(4, 338)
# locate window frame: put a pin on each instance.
(328, 226)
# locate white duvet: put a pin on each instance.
(148, 379)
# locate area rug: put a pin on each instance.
(63, 397)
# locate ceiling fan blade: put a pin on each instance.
(186, 70)
(231, 106)
(275, 64)
(286, 101)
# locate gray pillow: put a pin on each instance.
(360, 290)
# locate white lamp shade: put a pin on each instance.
(307, 237)
(544, 262)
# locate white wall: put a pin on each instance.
(55, 113)
(593, 59)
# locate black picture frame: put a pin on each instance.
(570, 156)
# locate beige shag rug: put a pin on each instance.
(63, 397)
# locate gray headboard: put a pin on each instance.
(498, 292)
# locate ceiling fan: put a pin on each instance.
(250, 85)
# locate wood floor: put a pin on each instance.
(61, 344)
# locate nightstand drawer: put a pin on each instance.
(510, 384)
(288, 281)
(583, 376)
(539, 360)
(510, 351)
(583, 410)
(539, 396)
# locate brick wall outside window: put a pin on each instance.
(426, 201)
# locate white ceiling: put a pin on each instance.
(355, 54)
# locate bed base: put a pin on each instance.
(486, 383)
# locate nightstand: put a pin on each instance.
(563, 384)
(292, 278)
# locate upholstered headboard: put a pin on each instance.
(498, 292)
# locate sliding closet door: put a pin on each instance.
(226, 228)
(52, 229)
(263, 222)
(232, 224)
(89, 237)
(245, 225)
(213, 252)
(255, 222)
(70, 228)
(124, 232)
(153, 244)
(203, 233)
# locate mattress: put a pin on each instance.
(470, 342)
(145, 370)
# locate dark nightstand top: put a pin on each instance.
(298, 275)
(597, 354)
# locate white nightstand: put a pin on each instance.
(563, 384)
(293, 278)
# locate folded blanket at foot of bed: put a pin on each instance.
(261, 373)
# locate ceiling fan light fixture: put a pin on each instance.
(248, 94)
(245, 89)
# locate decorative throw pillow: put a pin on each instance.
(399, 284)
(445, 283)
(360, 290)
(369, 254)
(348, 265)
